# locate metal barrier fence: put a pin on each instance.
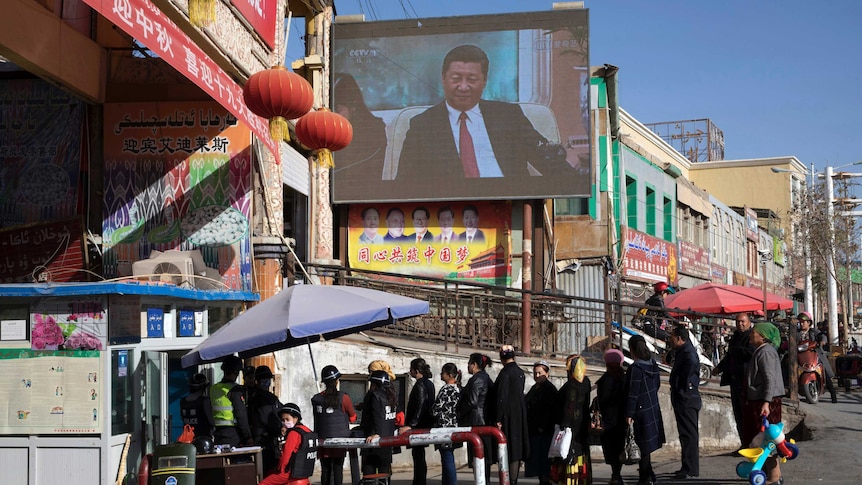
(482, 316)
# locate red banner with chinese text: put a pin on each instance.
(648, 258)
(262, 15)
(146, 23)
(693, 260)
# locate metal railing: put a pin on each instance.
(481, 316)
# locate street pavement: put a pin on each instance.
(831, 456)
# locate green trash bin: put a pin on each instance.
(173, 464)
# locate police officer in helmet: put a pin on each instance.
(263, 417)
(299, 451)
(229, 411)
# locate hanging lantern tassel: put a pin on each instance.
(202, 12)
(324, 158)
(324, 132)
(279, 130)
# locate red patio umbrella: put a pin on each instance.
(724, 299)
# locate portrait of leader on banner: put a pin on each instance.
(484, 107)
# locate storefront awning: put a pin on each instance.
(125, 288)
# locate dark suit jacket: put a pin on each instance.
(429, 149)
(389, 238)
(428, 237)
(478, 237)
(684, 378)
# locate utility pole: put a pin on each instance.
(831, 282)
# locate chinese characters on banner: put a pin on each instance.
(467, 241)
(648, 258)
(177, 176)
(694, 260)
(146, 23)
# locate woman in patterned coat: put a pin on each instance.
(446, 416)
(642, 408)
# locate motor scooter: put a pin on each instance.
(809, 375)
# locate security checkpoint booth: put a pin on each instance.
(91, 374)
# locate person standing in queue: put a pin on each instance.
(573, 411)
(474, 406)
(263, 416)
(299, 451)
(540, 401)
(196, 409)
(229, 409)
(511, 412)
(611, 398)
(732, 368)
(642, 409)
(685, 399)
(378, 421)
(419, 414)
(333, 413)
(446, 416)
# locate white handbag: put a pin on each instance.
(561, 444)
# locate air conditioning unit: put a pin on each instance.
(178, 270)
(182, 268)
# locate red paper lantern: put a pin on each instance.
(278, 95)
(323, 130)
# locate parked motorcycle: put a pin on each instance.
(810, 376)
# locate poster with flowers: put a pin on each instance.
(69, 324)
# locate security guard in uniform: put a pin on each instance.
(299, 451)
(229, 413)
(263, 417)
(195, 408)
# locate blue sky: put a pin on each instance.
(778, 77)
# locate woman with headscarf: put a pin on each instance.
(333, 413)
(573, 411)
(474, 403)
(642, 407)
(540, 423)
(611, 397)
(764, 390)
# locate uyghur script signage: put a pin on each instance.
(53, 251)
(648, 258)
(146, 23)
(693, 260)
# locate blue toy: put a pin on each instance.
(771, 440)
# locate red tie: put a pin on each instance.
(465, 147)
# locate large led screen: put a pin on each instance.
(463, 108)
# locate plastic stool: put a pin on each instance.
(375, 479)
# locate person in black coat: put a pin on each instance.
(511, 411)
(573, 409)
(685, 399)
(642, 409)
(419, 414)
(656, 314)
(378, 421)
(540, 423)
(263, 417)
(732, 368)
(474, 405)
(611, 397)
(196, 409)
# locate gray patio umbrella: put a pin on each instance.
(304, 314)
